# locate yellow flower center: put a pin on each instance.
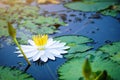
(40, 41)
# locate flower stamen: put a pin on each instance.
(40, 40)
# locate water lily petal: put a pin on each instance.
(26, 47)
(57, 45)
(31, 42)
(50, 42)
(54, 51)
(59, 56)
(38, 55)
(50, 56)
(29, 54)
(44, 58)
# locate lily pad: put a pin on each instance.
(74, 39)
(116, 58)
(112, 48)
(114, 11)
(77, 44)
(90, 5)
(74, 66)
(3, 31)
(78, 48)
(88, 54)
(7, 73)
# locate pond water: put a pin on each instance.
(102, 29)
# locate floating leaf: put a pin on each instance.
(112, 48)
(74, 39)
(90, 5)
(3, 31)
(78, 48)
(77, 45)
(73, 67)
(87, 54)
(111, 12)
(3, 28)
(112, 68)
(7, 73)
(46, 30)
(116, 57)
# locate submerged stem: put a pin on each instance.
(15, 40)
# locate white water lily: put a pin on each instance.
(43, 48)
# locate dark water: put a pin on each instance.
(102, 29)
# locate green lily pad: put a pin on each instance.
(74, 66)
(116, 58)
(74, 39)
(77, 44)
(90, 5)
(111, 12)
(78, 48)
(89, 54)
(3, 31)
(112, 48)
(46, 30)
(7, 73)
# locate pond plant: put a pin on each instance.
(13, 74)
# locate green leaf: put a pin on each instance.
(46, 30)
(73, 67)
(116, 57)
(78, 48)
(111, 12)
(7, 73)
(90, 5)
(112, 68)
(111, 48)
(77, 44)
(74, 39)
(3, 31)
